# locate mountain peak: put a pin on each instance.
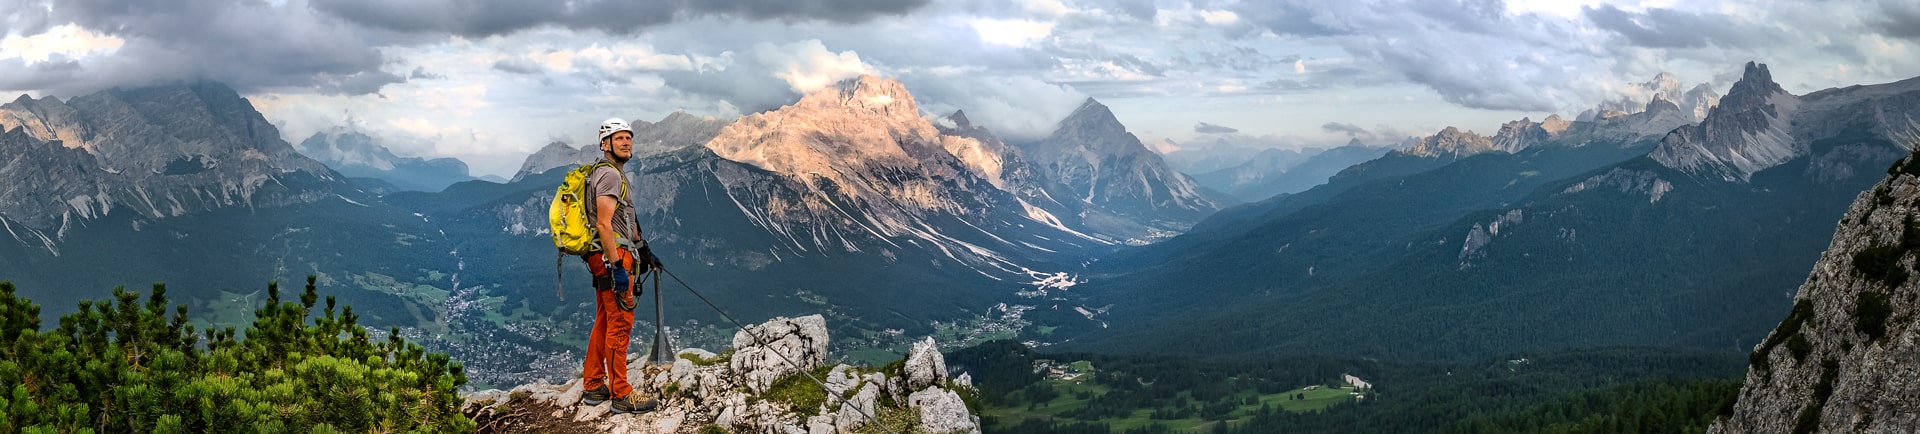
(1659, 104)
(1091, 116)
(1748, 131)
(873, 94)
(1451, 142)
(1756, 81)
(960, 121)
(1355, 142)
(1091, 107)
(681, 117)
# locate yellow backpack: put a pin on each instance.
(573, 234)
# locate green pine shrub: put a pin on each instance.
(1881, 263)
(1802, 311)
(120, 366)
(1870, 312)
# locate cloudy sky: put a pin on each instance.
(489, 81)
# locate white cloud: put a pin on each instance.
(1219, 17)
(1012, 33)
(808, 66)
(67, 40)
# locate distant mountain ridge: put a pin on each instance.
(357, 155)
(1693, 103)
(677, 130)
(159, 152)
(1594, 237)
(1281, 171)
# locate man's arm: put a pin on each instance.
(603, 223)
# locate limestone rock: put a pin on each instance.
(778, 348)
(695, 395)
(1842, 360)
(942, 411)
(925, 366)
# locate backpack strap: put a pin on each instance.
(596, 198)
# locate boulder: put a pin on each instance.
(942, 411)
(925, 366)
(780, 347)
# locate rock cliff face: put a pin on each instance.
(1842, 361)
(759, 386)
(159, 152)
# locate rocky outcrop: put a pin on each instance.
(1842, 361)
(777, 349)
(765, 384)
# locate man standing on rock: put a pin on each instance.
(622, 254)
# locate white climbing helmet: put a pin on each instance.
(613, 125)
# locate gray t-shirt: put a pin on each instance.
(605, 181)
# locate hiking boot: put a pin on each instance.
(634, 403)
(595, 396)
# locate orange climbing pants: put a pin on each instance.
(612, 329)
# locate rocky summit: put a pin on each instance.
(1451, 142)
(1750, 130)
(774, 380)
(1842, 361)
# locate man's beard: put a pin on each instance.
(615, 156)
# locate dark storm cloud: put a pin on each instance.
(420, 73)
(1289, 18)
(518, 65)
(748, 90)
(1142, 10)
(1900, 19)
(1351, 130)
(248, 45)
(1206, 128)
(476, 18)
(1469, 51)
(1668, 28)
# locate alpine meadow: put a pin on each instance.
(976, 216)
